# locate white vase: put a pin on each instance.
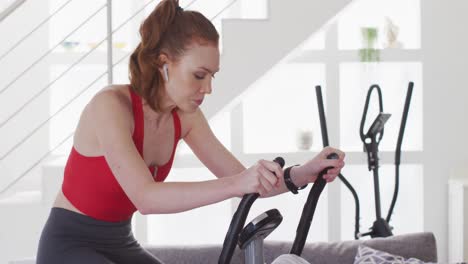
(304, 139)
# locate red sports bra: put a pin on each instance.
(90, 185)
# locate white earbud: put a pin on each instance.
(166, 75)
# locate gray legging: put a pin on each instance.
(69, 237)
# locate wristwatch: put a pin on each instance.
(288, 181)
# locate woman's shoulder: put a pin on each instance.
(109, 109)
(115, 93)
(112, 98)
(112, 101)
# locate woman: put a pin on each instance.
(125, 142)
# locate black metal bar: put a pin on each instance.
(237, 223)
(366, 106)
(378, 210)
(404, 118)
(317, 188)
(323, 120)
(357, 209)
(321, 109)
(307, 215)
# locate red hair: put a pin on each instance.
(167, 30)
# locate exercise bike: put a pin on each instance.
(250, 238)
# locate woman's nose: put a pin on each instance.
(206, 88)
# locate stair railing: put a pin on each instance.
(109, 72)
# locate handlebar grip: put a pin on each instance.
(238, 221)
(280, 161)
(324, 171)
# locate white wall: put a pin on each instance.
(445, 40)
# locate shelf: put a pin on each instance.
(352, 158)
(386, 55)
(95, 57)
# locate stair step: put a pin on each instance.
(251, 47)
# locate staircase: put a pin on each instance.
(245, 57)
(250, 49)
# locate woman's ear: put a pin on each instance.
(164, 60)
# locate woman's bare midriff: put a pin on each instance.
(62, 202)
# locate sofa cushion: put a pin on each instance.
(367, 255)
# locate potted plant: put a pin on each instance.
(369, 53)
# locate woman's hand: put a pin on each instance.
(313, 167)
(261, 178)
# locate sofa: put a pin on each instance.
(419, 245)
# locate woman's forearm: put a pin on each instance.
(299, 178)
(175, 197)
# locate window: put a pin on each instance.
(379, 14)
(280, 106)
(408, 213)
(393, 79)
